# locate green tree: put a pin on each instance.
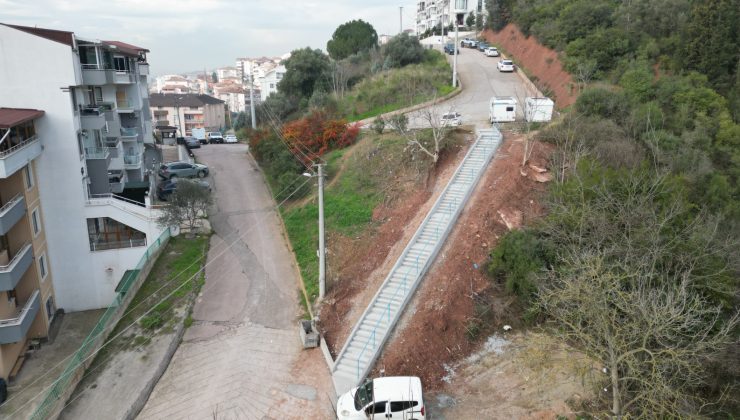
(305, 71)
(214, 77)
(350, 38)
(403, 50)
(712, 41)
(188, 204)
(470, 20)
(499, 13)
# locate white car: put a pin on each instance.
(491, 52)
(230, 138)
(451, 119)
(397, 397)
(505, 65)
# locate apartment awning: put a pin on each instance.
(10, 117)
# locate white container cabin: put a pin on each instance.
(502, 109)
(538, 109)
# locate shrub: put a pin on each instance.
(403, 50)
(603, 103)
(318, 133)
(378, 124)
(152, 321)
(516, 260)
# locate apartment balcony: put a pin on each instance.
(132, 161)
(97, 153)
(124, 77)
(115, 150)
(12, 272)
(11, 212)
(18, 156)
(13, 330)
(92, 119)
(125, 105)
(129, 134)
(117, 179)
(94, 75)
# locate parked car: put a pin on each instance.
(505, 65)
(450, 49)
(468, 42)
(215, 137)
(383, 398)
(192, 143)
(167, 187)
(230, 138)
(491, 52)
(451, 119)
(182, 169)
(482, 46)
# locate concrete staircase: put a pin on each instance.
(376, 324)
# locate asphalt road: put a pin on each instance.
(238, 357)
(480, 80)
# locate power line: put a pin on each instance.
(136, 321)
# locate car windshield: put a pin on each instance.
(507, 63)
(364, 395)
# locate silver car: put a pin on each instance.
(451, 119)
(174, 170)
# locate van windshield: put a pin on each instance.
(364, 395)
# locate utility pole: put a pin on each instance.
(400, 15)
(454, 60)
(322, 246)
(251, 98)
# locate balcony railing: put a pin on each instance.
(125, 105)
(15, 328)
(12, 272)
(11, 212)
(129, 132)
(96, 153)
(99, 244)
(132, 161)
(18, 156)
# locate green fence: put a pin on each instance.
(73, 372)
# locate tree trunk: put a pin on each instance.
(616, 396)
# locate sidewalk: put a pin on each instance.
(46, 364)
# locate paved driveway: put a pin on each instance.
(480, 80)
(242, 357)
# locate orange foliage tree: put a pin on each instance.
(318, 133)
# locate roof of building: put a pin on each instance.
(185, 99)
(10, 117)
(63, 37)
(126, 48)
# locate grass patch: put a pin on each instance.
(178, 265)
(374, 172)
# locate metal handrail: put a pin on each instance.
(18, 318)
(19, 146)
(108, 245)
(16, 257)
(7, 206)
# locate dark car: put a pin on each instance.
(182, 170)
(482, 46)
(192, 143)
(450, 49)
(166, 188)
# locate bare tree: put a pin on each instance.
(584, 72)
(429, 141)
(339, 78)
(187, 205)
(653, 341)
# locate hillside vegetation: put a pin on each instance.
(636, 262)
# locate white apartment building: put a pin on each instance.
(96, 137)
(188, 111)
(430, 13)
(172, 83)
(226, 73)
(233, 95)
(268, 84)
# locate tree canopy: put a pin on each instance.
(305, 71)
(350, 38)
(403, 50)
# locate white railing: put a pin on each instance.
(132, 207)
(9, 205)
(129, 132)
(18, 146)
(14, 261)
(96, 244)
(96, 153)
(17, 318)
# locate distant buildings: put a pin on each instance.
(430, 13)
(269, 83)
(188, 111)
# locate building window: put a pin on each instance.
(120, 63)
(50, 307)
(36, 222)
(43, 267)
(28, 172)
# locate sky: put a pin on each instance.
(189, 35)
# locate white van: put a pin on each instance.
(383, 398)
(502, 109)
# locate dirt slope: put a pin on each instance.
(539, 61)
